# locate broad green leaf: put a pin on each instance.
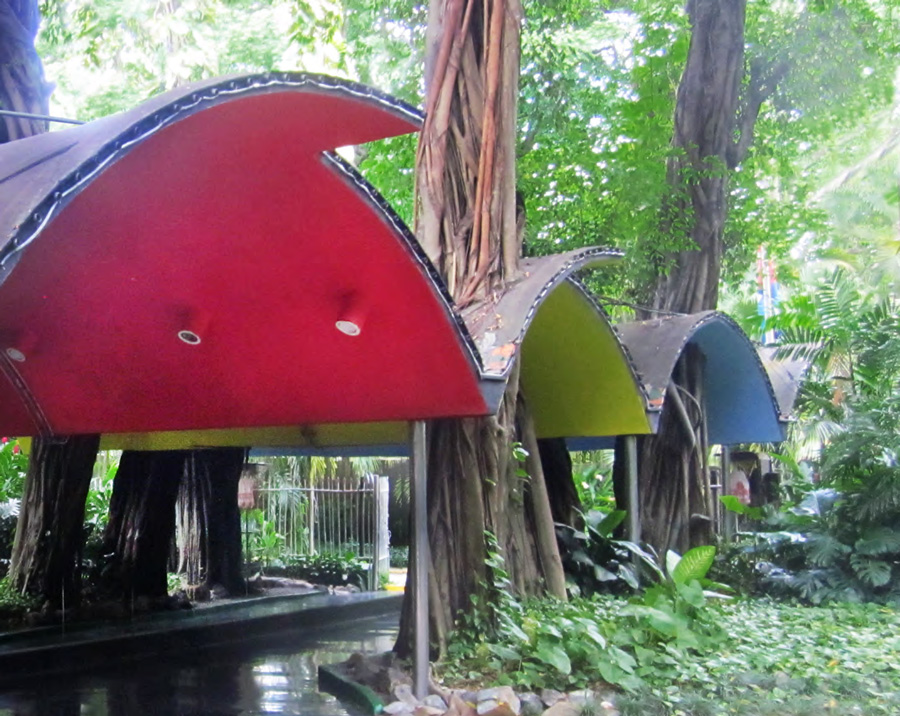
(733, 504)
(672, 560)
(694, 564)
(627, 573)
(872, 571)
(880, 540)
(504, 652)
(601, 574)
(609, 523)
(555, 656)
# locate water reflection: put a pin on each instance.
(272, 675)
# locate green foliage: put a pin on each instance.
(399, 556)
(595, 562)
(593, 482)
(266, 544)
(819, 550)
(14, 604)
(329, 569)
(96, 509)
(13, 467)
(757, 657)
(547, 643)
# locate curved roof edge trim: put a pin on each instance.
(499, 326)
(162, 111)
(380, 204)
(682, 330)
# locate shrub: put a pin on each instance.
(336, 570)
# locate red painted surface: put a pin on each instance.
(229, 223)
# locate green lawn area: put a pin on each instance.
(747, 657)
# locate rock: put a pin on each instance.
(501, 710)
(563, 708)
(398, 707)
(551, 696)
(398, 676)
(486, 706)
(428, 711)
(580, 698)
(461, 707)
(502, 695)
(531, 704)
(435, 702)
(218, 591)
(403, 692)
(608, 704)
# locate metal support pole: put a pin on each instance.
(40, 117)
(634, 509)
(729, 518)
(418, 467)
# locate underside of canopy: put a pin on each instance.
(740, 401)
(576, 374)
(786, 373)
(204, 262)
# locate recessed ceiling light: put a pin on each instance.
(189, 337)
(16, 355)
(348, 328)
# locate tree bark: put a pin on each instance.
(50, 531)
(715, 115)
(706, 122)
(556, 463)
(221, 469)
(142, 523)
(22, 85)
(468, 223)
(675, 497)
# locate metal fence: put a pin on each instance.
(330, 513)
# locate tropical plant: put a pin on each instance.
(332, 569)
(821, 549)
(596, 562)
(593, 481)
(762, 659)
(266, 544)
(672, 609)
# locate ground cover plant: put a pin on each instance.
(744, 657)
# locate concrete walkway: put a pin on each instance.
(55, 648)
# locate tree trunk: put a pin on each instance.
(50, 531)
(191, 523)
(706, 113)
(142, 523)
(715, 113)
(22, 85)
(222, 469)
(556, 463)
(675, 497)
(468, 223)
(473, 487)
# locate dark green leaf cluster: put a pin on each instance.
(596, 562)
(330, 569)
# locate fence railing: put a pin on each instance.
(328, 514)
